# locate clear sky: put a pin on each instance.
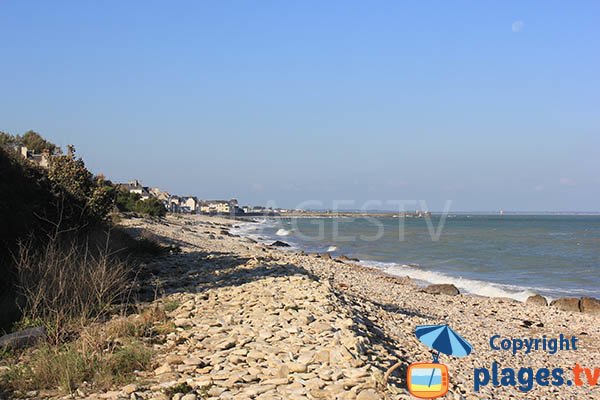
(488, 104)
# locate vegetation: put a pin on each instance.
(30, 139)
(67, 282)
(102, 355)
(126, 201)
(67, 268)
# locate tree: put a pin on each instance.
(35, 142)
(7, 140)
(70, 174)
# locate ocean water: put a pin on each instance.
(491, 255)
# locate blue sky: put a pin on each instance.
(488, 104)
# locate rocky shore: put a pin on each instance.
(257, 322)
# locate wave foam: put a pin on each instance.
(282, 232)
(331, 248)
(472, 286)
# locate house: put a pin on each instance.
(190, 204)
(42, 160)
(218, 206)
(174, 204)
(134, 186)
(159, 194)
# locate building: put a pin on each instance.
(134, 186)
(218, 206)
(42, 159)
(159, 194)
(190, 204)
(174, 204)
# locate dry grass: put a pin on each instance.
(72, 289)
(67, 283)
(104, 354)
(66, 367)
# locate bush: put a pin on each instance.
(70, 174)
(152, 207)
(126, 201)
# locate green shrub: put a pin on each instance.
(126, 201)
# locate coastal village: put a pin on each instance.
(193, 205)
(173, 203)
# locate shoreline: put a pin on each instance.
(423, 276)
(387, 309)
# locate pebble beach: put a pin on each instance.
(258, 322)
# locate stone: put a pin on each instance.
(194, 361)
(279, 243)
(320, 326)
(346, 259)
(322, 356)
(443, 288)
(173, 359)
(566, 304)
(537, 300)
(368, 394)
(189, 396)
(326, 256)
(225, 344)
(24, 338)
(275, 381)
(128, 389)
(589, 305)
(163, 369)
(183, 322)
(297, 367)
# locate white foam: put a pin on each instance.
(282, 232)
(331, 248)
(253, 230)
(472, 286)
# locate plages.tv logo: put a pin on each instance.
(430, 380)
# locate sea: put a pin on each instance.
(490, 255)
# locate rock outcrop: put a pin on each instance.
(443, 288)
(589, 305)
(566, 304)
(537, 300)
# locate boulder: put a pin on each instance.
(537, 300)
(589, 305)
(326, 256)
(345, 259)
(566, 304)
(443, 288)
(24, 338)
(279, 243)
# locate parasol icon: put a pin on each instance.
(442, 339)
